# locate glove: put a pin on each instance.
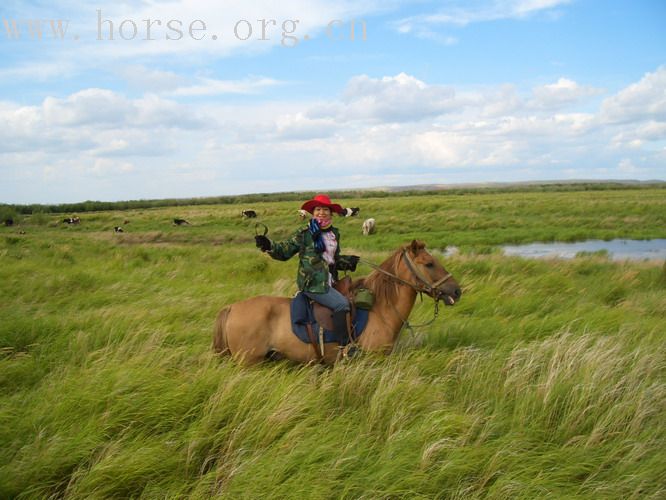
(263, 243)
(349, 263)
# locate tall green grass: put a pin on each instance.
(547, 379)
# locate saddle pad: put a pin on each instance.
(301, 314)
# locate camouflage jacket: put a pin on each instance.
(313, 270)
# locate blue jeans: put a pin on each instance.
(331, 299)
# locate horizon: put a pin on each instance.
(395, 190)
(182, 99)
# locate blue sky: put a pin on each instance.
(439, 92)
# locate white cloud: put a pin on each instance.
(42, 71)
(99, 122)
(562, 93)
(298, 126)
(643, 100)
(210, 86)
(398, 98)
(105, 108)
(99, 106)
(105, 166)
(639, 136)
(626, 166)
(150, 79)
(462, 13)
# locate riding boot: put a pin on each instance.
(341, 322)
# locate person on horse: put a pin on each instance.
(318, 247)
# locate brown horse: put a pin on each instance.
(260, 327)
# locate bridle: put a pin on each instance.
(423, 285)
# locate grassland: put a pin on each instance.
(546, 380)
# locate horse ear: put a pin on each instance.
(415, 246)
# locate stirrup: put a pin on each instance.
(349, 351)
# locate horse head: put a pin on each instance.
(427, 275)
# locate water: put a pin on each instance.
(617, 249)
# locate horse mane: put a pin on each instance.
(381, 285)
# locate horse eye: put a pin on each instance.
(430, 264)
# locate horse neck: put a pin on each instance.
(388, 317)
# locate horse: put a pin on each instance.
(259, 328)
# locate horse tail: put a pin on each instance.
(220, 344)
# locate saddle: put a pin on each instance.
(312, 323)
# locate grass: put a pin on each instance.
(547, 379)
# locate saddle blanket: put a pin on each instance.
(302, 314)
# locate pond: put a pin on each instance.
(616, 249)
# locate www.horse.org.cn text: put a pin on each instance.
(288, 31)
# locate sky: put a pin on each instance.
(186, 98)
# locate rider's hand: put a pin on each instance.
(262, 243)
(353, 262)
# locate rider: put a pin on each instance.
(318, 247)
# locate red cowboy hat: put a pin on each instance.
(321, 200)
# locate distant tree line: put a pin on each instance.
(7, 210)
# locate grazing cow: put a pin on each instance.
(302, 214)
(118, 229)
(368, 227)
(71, 220)
(9, 222)
(248, 214)
(126, 221)
(180, 222)
(351, 212)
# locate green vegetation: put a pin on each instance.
(92, 206)
(547, 379)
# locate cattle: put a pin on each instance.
(181, 222)
(302, 214)
(9, 222)
(71, 220)
(248, 214)
(368, 227)
(351, 212)
(118, 229)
